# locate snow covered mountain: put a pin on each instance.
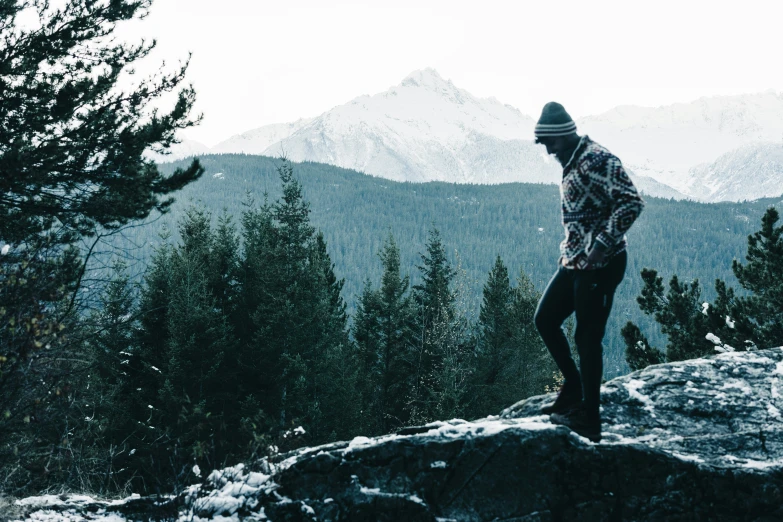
(651, 187)
(426, 129)
(423, 129)
(184, 149)
(666, 143)
(258, 140)
(749, 172)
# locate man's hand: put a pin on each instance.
(596, 255)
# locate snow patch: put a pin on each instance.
(633, 386)
(688, 458)
(762, 464)
(738, 384)
(376, 492)
(359, 442)
(729, 322)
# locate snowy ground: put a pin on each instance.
(711, 412)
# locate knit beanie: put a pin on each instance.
(554, 121)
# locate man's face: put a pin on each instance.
(551, 144)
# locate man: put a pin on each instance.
(599, 204)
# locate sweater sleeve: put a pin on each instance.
(620, 194)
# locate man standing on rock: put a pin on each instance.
(599, 204)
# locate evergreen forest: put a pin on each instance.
(518, 222)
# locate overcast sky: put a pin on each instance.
(257, 62)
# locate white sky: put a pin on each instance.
(257, 62)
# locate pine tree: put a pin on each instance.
(759, 316)
(495, 351)
(183, 397)
(536, 367)
(638, 352)
(731, 322)
(334, 367)
(396, 323)
(293, 331)
(683, 317)
(366, 334)
(151, 338)
(72, 166)
(259, 302)
(383, 330)
(512, 362)
(437, 359)
(680, 314)
(106, 406)
(74, 142)
(297, 328)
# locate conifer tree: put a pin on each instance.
(224, 264)
(102, 407)
(536, 369)
(396, 331)
(680, 314)
(334, 367)
(383, 330)
(759, 316)
(73, 142)
(495, 351)
(731, 322)
(293, 333)
(72, 166)
(139, 427)
(438, 358)
(182, 392)
(638, 352)
(365, 330)
(259, 302)
(512, 362)
(298, 321)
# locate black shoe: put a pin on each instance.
(580, 422)
(570, 395)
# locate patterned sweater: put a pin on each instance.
(599, 202)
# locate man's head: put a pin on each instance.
(556, 130)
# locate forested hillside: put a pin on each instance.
(518, 222)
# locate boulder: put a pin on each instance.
(692, 440)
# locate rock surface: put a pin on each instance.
(694, 440)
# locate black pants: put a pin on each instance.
(589, 293)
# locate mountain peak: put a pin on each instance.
(427, 78)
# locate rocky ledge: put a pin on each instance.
(693, 440)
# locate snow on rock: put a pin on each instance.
(692, 440)
(82, 508)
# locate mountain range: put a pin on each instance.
(725, 148)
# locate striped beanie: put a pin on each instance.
(554, 121)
